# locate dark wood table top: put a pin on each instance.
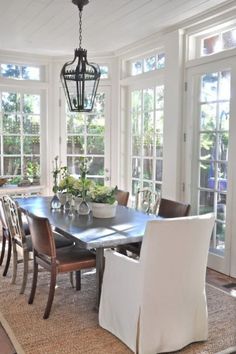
(89, 232)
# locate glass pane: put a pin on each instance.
(10, 71)
(136, 123)
(209, 84)
(159, 169)
(221, 207)
(75, 145)
(161, 61)
(136, 145)
(97, 166)
(136, 101)
(135, 186)
(148, 144)
(31, 166)
(10, 102)
(150, 63)
(208, 146)
(220, 235)
(147, 168)
(136, 168)
(31, 124)
(224, 115)
(73, 165)
(148, 123)
(207, 179)
(95, 145)
(11, 166)
(75, 123)
(148, 185)
(148, 100)
(99, 104)
(31, 145)
(97, 180)
(224, 85)
(222, 176)
(211, 45)
(30, 73)
(104, 71)
(160, 97)
(223, 140)
(31, 104)
(159, 121)
(136, 67)
(208, 116)
(159, 145)
(95, 124)
(206, 202)
(11, 145)
(158, 187)
(229, 39)
(11, 123)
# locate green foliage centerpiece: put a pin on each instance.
(103, 201)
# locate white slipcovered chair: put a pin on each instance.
(158, 303)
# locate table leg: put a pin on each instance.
(99, 273)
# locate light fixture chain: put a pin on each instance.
(80, 28)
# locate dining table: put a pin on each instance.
(91, 233)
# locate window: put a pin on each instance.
(86, 138)
(213, 150)
(218, 42)
(147, 120)
(19, 135)
(150, 63)
(104, 71)
(20, 72)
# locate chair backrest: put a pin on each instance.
(13, 219)
(147, 201)
(2, 216)
(173, 209)
(41, 234)
(122, 197)
(173, 264)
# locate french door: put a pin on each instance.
(87, 135)
(210, 150)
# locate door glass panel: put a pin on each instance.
(147, 119)
(213, 151)
(86, 138)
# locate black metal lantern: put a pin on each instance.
(79, 78)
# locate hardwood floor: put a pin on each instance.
(219, 280)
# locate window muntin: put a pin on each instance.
(20, 121)
(147, 64)
(147, 138)
(214, 117)
(86, 138)
(20, 72)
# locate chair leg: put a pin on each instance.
(72, 279)
(25, 271)
(15, 260)
(3, 248)
(51, 293)
(78, 280)
(8, 257)
(34, 283)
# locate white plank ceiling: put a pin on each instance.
(52, 26)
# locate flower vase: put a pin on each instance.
(55, 203)
(83, 208)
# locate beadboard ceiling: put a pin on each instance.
(52, 26)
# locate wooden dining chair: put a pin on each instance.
(45, 254)
(122, 197)
(6, 241)
(173, 209)
(21, 239)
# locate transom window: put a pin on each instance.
(218, 42)
(149, 63)
(147, 120)
(19, 135)
(20, 72)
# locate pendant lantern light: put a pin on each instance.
(79, 78)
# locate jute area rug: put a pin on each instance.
(72, 327)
